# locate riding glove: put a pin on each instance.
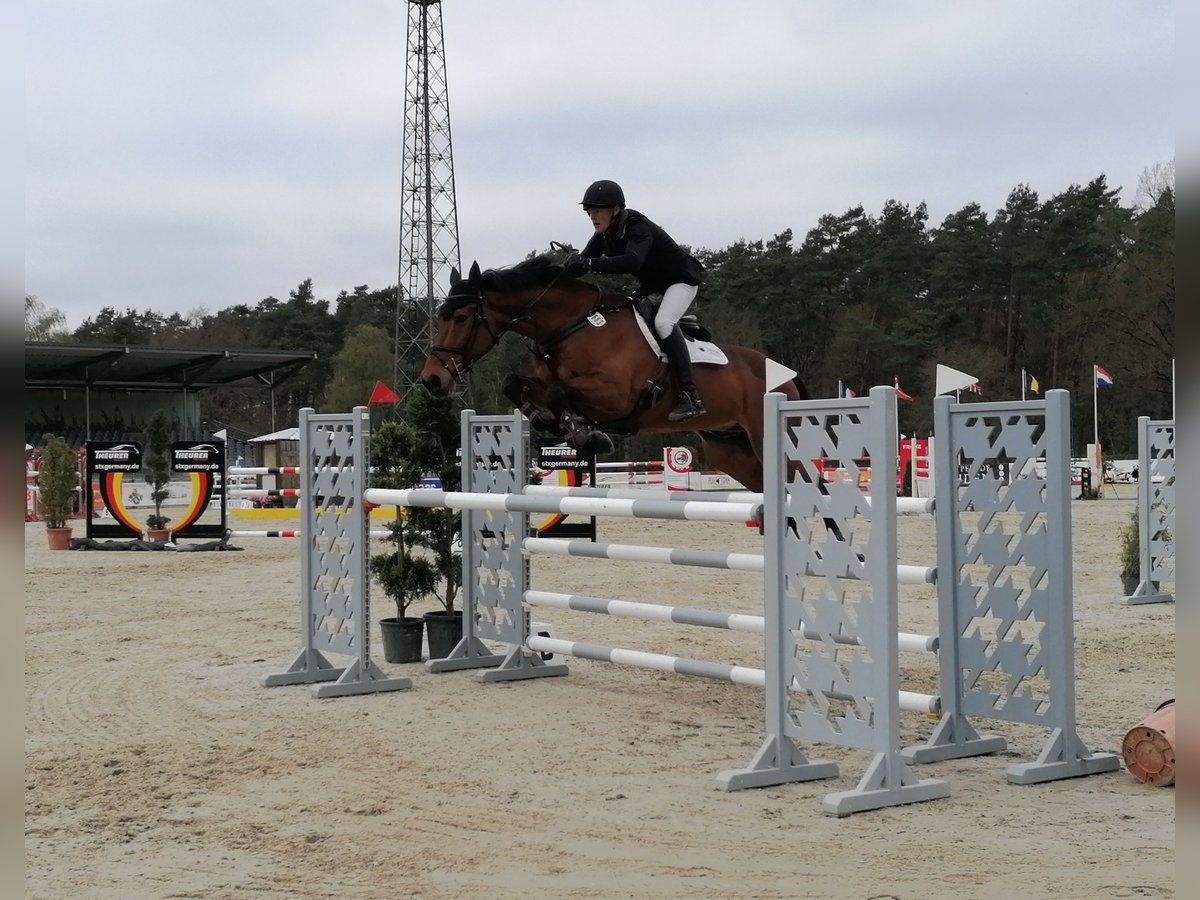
(576, 264)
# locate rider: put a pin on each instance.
(625, 242)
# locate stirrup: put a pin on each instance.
(688, 407)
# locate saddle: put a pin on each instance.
(647, 307)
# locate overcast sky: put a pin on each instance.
(194, 154)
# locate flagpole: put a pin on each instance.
(896, 409)
(1095, 415)
(1022, 384)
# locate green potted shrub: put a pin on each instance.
(405, 573)
(157, 469)
(436, 423)
(1130, 553)
(57, 482)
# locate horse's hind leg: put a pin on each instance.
(733, 453)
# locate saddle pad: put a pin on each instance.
(698, 351)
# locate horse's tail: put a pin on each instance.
(800, 388)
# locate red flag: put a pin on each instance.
(383, 394)
(900, 392)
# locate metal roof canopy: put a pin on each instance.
(144, 368)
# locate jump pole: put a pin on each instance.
(704, 618)
(678, 556)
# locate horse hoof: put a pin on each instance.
(599, 443)
(541, 426)
(591, 442)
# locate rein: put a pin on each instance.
(543, 348)
(457, 361)
(457, 368)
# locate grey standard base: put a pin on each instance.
(874, 792)
(1148, 592)
(778, 761)
(1064, 756)
(469, 653)
(520, 665)
(781, 762)
(311, 666)
(953, 738)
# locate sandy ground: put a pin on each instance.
(156, 766)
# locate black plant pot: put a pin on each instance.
(402, 639)
(445, 630)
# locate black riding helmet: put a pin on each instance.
(603, 193)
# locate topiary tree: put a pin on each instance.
(57, 479)
(421, 445)
(436, 424)
(1130, 550)
(405, 574)
(157, 467)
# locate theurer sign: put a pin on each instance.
(202, 465)
(562, 465)
(205, 457)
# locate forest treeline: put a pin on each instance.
(1046, 286)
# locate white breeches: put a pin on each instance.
(675, 302)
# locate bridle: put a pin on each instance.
(463, 364)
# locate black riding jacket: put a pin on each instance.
(634, 245)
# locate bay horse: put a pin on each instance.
(594, 369)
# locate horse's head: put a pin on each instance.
(463, 333)
(532, 298)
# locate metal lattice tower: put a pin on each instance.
(429, 209)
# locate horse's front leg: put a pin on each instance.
(582, 435)
(533, 397)
(579, 428)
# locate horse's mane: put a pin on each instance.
(537, 271)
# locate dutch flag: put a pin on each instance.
(1103, 379)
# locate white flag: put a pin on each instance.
(949, 379)
(777, 374)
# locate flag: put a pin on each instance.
(900, 391)
(844, 391)
(975, 388)
(1033, 385)
(383, 394)
(1103, 379)
(951, 380)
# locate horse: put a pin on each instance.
(594, 368)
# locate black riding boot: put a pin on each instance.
(689, 405)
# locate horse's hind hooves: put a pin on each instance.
(596, 442)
